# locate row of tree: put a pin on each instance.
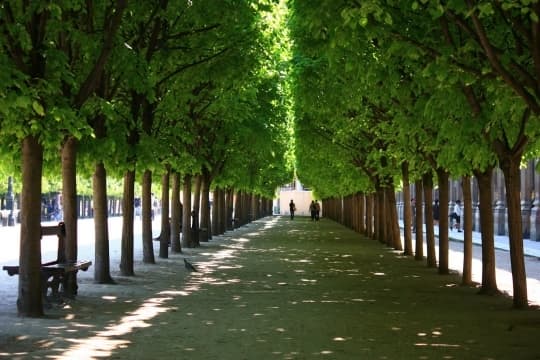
(190, 91)
(415, 91)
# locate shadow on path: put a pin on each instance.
(282, 289)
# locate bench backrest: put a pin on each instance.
(60, 231)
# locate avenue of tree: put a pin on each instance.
(191, 93)
(400, 92)
(192, 97)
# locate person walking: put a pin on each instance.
(313, 210)
(317, 210)
(456, 215)
(292, 209)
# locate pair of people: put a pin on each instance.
(315, 210)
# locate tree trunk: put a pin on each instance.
(418, 217)
(69, 204)
(254, 206)
(369, 215)
(222, 225)
(187, 241)
(30, 302)
(176, 216)
(379, 215)
(466, 277)
(230, 208)
(205, 208)
(362, 213)
(394, 232)
(407, 225)
(215, 208)
(427, 184)
(443, 221)
(489, 279)
(509, 164)
(147, 208)
(237, 209)
(196, 211)
(126, 254)
(102, 261)
(386, 220)
(165, 216)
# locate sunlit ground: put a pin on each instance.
(281, 289)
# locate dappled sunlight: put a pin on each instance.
(275, 295)
(432, 339)
(105, 342)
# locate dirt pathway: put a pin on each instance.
(280, 289)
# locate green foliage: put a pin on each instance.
(389, 81)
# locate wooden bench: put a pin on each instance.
(55, 273)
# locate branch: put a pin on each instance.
(112, 24)
(191, 32)
(15, 49)
(496, 64)
(535, 47)
(187, 66)
(525, 76)
(434, 54)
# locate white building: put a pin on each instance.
(301, 196)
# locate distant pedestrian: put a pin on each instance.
(292, 208)
(313, 210)
(456, 216)
(317, 210)
(436, 212)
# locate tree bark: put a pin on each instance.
(30, 302)
(427, 184)
(196, 210)
(509, 163)
(418, 223)
(443, 221)
(466, 277)
(407, 225)
(379, 215)
(176, 216)
(369, 215)
(362, 213)
(165, 219)
(102, 260)
(230, 208)
(393, 229)
(222, 224)
(205, 208)
(127, 249)
(237, 209)
(187, 240)
(489, 279)
(147, 206)
(69, 204)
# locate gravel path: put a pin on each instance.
(277, 289)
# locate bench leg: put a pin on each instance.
(69, 285)
(54, 284)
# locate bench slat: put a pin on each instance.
(71, 266)
(63, 267)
